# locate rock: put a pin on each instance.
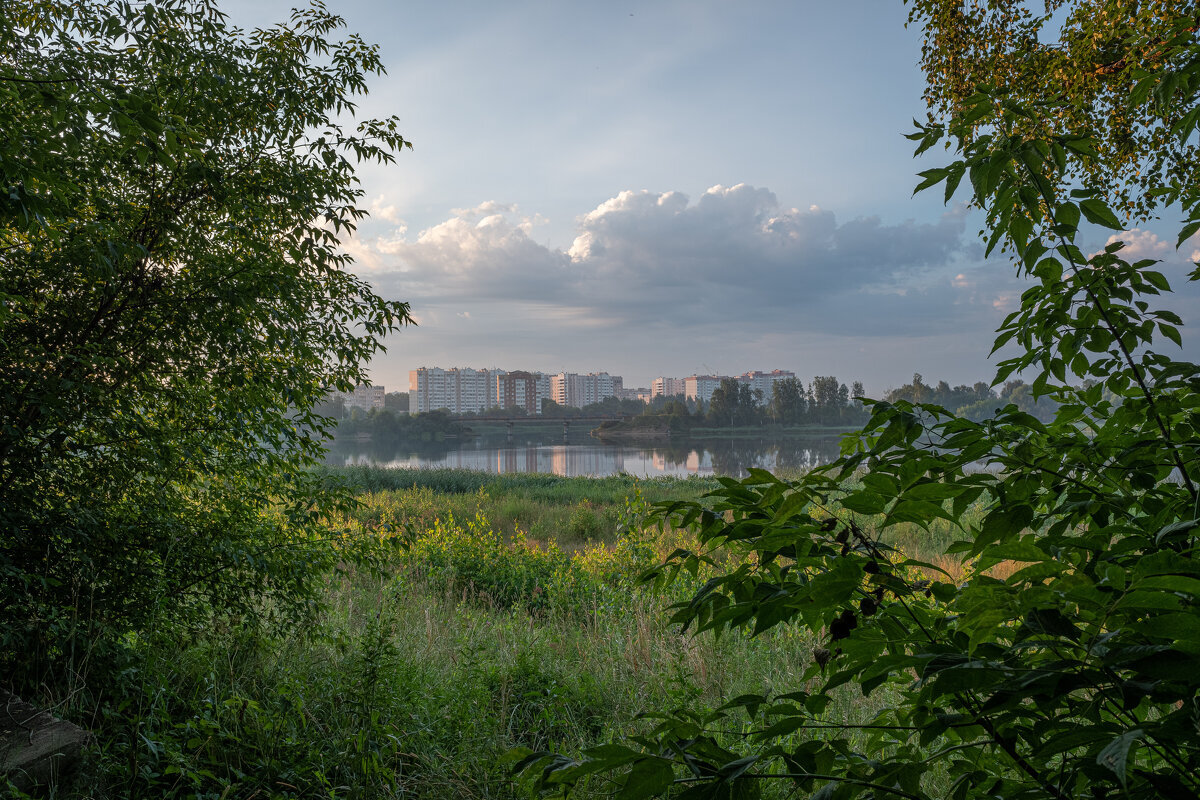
(37, 750)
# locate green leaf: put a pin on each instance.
(1116, 753)
(1099, 213)
(648, 778)
(1187, 232)
(864, 502)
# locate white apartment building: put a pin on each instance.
(544, 391)
(668, 387)
(364, 397)
(765, 381)
(571, 389)
(701, 387)
(458, 390)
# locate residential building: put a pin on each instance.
(518, 389)
(571, 389)
(458, 390)
(667, 387)
(765, 381)
(701, 387)
(364, 397)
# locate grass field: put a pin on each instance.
(502, 612)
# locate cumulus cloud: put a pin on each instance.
(735, 257)
(1140, 244)
(381, 208)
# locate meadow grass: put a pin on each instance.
(509, 614)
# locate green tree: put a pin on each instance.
(787, 401)
(733, 403)
(173, 305)
(826, 405)
(1074, 676)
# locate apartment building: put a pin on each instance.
(765, 381)
(668, 387)
(701, 387)
(571, 389)
(363, 396)
(458, 390)
(518, 390)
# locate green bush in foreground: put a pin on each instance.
(1075, 676)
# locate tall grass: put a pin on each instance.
(507, 615)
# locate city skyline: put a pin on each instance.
(683, 187)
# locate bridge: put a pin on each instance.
(566, 421)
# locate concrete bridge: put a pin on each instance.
(510, 422)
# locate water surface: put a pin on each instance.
(578, 454)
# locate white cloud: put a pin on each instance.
(1141, 244)
(382, 209)
(735, 258)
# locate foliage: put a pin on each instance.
(403, 690)
(733, 403)
(976, 402)
(173, 302)
(388, 426)
(787, 400)
(475, 559)
(1087, 82)
(1074, 675)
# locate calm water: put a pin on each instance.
(582, 455)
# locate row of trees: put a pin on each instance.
(383, 424)
(976, 402)
(826, 401)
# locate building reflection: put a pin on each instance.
(571, 460)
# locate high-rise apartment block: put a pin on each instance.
(458, 390)
(701, 387)
(518, 390)
(765, 381)
(465, 391)
(667, 387)
(363, 396)
(571, 389)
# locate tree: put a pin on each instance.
(787, 400)
(732, 403)
(173, 304)
(826, 399)
(1074, 676)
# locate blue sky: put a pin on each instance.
(666, 188)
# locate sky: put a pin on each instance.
(668, 188)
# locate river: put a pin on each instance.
(579, 454)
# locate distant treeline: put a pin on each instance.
(976, 402)
(825, 401)
(383, 424)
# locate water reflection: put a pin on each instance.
(584, 456)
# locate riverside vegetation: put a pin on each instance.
(475, 614)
